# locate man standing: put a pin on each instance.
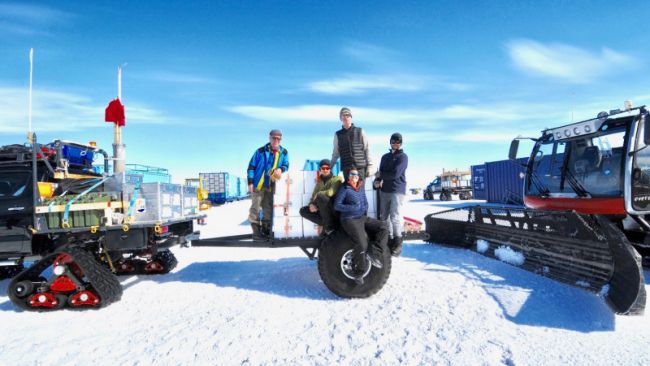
(351, 145)
(319, 210)
(391, 180)
(266, 166)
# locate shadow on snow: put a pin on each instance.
(547, 303)
(289, 277)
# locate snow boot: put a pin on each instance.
(360, 266)
(257, 235)
(375, 260)
(265, 229)
(396, 246)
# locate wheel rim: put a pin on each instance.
(346, 265)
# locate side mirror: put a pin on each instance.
(514, 146)
(646, 130)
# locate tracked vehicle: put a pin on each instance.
(587, 193)
(77, 228)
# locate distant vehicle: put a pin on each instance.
(448, 183)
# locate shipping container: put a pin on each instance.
(505, 181)
(224, 187)
(479, 182)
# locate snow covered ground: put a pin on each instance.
(268, 306)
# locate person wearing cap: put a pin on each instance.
(391, 182)
(351, 145)
(264, 169)
(352, 203)
(320, 211)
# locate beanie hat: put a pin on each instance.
(345, 110)
(325, 162)
(275, 132)
(396, 137)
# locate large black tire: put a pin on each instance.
(332, 261)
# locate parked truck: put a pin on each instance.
(448, 183)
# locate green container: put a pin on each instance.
(93, 217)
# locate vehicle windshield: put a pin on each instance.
(13, 184)
(587, 166)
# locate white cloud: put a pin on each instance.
(565, 62)
(60, 111)
(358, 84)
(370, 53)
(325, 113)
(28, 19)
(362, 83)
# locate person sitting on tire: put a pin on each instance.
(320, 210)
(352, 203)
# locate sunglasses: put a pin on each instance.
(393, 142)
(354, 174)
(276, 138)
(346, 115)
(325, 168)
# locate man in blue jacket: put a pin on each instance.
(391, 182)
(265, 168)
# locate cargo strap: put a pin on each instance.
(129, 212)
(65, 223)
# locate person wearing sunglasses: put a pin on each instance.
(320, 210)
(391, 182)
(264, 169)
(351, 145)
(352, 203)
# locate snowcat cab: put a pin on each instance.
(599, 166)
(587, 194)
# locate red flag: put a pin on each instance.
(115, 112)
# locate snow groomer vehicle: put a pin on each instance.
(586, 221)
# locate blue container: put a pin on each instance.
(479, 182)
(505, 181)
(313, 165)
(217, 198)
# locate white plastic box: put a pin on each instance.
(162, 201)
(287, 227)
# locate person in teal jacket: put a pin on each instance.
(266, 166)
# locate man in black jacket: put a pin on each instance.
(351, 145)
(391, 180)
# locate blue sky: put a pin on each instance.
(205, 81)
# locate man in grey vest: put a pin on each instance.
(351, 145)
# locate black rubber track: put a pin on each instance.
(99, 279)
(167, 259)
(329, 267)
(10, 271)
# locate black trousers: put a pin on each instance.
(363, 229)
(325, 216)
